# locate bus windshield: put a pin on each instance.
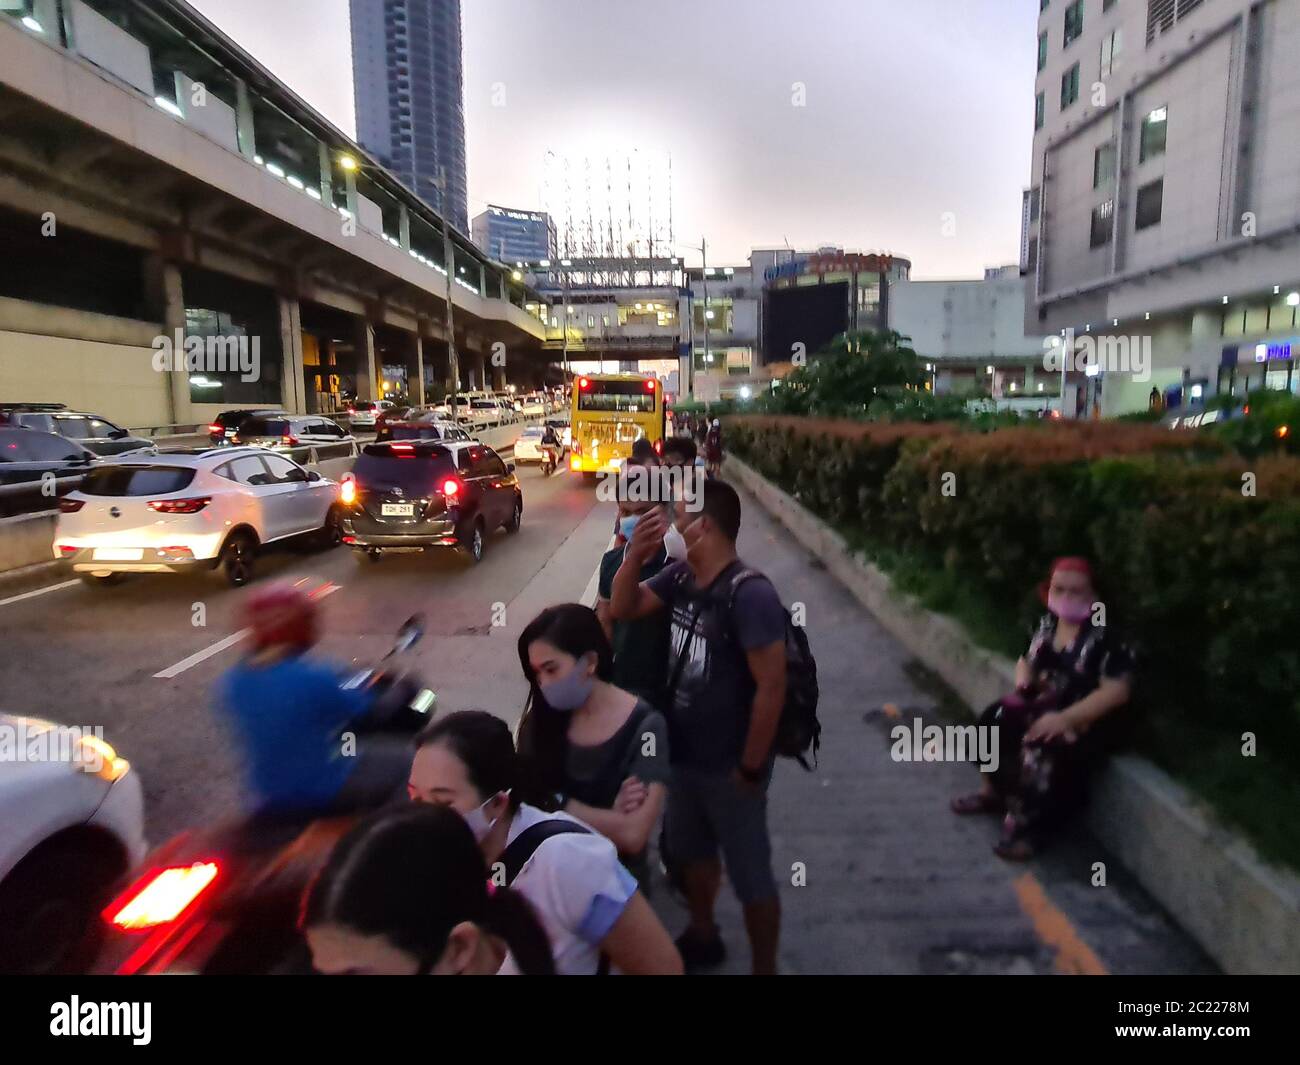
(631, 397)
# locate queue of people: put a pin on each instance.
(661, 706)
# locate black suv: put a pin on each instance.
(27, 455)
(89, 430)
(226, 424)
(420, 494)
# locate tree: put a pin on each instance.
(850, 374)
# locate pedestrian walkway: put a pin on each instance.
(892, 882)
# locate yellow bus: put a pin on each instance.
(610, 412)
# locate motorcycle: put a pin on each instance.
(550, 460)
(225, 900)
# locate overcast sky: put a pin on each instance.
(912, 109)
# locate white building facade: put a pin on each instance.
(1164, 204)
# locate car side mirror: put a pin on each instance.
(312, 475)
(510, 467)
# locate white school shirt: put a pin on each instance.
(578, 889)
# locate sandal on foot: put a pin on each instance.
(976, 803)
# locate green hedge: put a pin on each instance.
(1202, 576)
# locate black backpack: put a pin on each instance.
(798, 733)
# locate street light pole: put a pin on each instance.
(449, 260)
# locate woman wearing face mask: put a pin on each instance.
(1054, 726)
(406, 892)
(594, 915)
(601, 749)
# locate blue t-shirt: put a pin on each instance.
(708, 719)
(288, 718)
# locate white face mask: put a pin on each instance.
(478, 821)
(675, 544)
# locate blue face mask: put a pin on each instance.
(571, 691)
(627, 525)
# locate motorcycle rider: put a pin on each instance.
(551, 447)
(291, 717)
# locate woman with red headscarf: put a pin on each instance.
(1074, 674)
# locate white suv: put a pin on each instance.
(179, 511)
(71, 824)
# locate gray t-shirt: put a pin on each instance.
(639, 749)
(708, 720)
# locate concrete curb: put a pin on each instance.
(1243, 912)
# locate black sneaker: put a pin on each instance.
(698, 953)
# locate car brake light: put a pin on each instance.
(659, 447)
(161, 896)
(289, 441)
(650, 385)
(403, 447)
(179, 506)
(348, 490)
(584, 383)
(451, 488)
(217, 429)
(67, 549)
(71, 506)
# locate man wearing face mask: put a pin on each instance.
(640, 647)
(726, 677)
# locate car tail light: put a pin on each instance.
(404, 450)
(161, 896)
(71, 506)
(217, 430)
(67, 549)
(575, 463)
(659, 447)
(179, 506)
(175, 552)
(349, 539)
(348, 490)
(289, 440)
(650, 385)
(584, 384)
(352, 411)
(451, 488)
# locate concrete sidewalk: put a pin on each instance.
(895, 883)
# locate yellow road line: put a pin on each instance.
(1073, 956)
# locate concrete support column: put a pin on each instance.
(367, 369)
(166, 298)
(326, 176)
(244, 120)
(293, 395)
(417, 371)
(404, 227)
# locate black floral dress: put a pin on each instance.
(1045, 783)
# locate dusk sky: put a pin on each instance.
(913, 108)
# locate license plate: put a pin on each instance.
(398, 510)
(118, 554)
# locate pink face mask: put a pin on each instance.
(1068, 608)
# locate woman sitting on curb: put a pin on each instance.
(1074, 675)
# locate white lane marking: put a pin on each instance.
(39, 591)
(201, 656)
(230, 641)
(589, 596)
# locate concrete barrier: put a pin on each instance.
(1243, 912)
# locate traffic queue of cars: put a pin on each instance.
(72, 826)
